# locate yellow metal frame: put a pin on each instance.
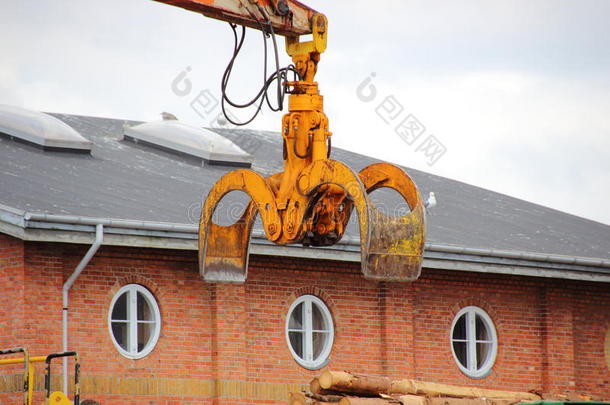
(55, 398)
(58, 397)
(28, 378)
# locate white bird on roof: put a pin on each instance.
(430, 202)
(168, 116)
(222, 121)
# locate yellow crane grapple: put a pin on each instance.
(311, 201)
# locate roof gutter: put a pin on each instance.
(118, 223)
(511, 254)
(344, 247)
(169, 227)
(99, 239)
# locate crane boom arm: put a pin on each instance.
(289, 18)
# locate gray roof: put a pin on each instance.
(124, 180)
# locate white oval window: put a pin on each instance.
(474, 342)
(309, 332)
(134, 321)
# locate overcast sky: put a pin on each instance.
(516, 93)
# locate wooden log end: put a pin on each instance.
(329, 378)
(316, 388)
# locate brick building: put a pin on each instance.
(512, 295)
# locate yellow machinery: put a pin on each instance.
(56, 398)
(311, 201)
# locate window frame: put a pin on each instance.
(470, 312)
(132, 323)
(319, 362)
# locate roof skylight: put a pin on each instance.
(194, 141)
(41, 129)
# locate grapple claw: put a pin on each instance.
(225, 255)
(223, 250)
(391, 247)
(394, 251)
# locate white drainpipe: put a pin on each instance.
(99, 238)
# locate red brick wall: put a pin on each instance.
(551, 333)
(591, 316)
(11, 290)
(44, 278)
(12, 306)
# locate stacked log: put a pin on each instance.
(345, 388)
